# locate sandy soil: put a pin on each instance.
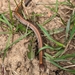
(16, 61)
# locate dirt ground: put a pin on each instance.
(16, 61)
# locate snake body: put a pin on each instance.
(35, 30)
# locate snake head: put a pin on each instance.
(27, 2)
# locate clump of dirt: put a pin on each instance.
(16, 61)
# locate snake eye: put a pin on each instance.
(27, 2)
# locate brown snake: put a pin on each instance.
(31, 26)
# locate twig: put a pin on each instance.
(69, 66)
(41, 3)
(3, 69)
(72, 46)
(66, 48)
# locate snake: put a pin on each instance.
(33, 28)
